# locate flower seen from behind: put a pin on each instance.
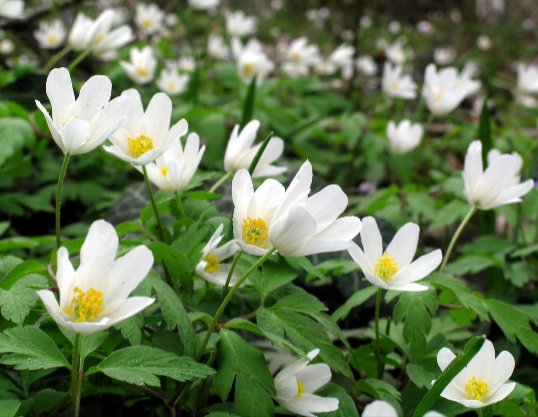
(393, 268)
(254, 64)
(96, 295)
(405, 136)
(203, 4)
(141, 68)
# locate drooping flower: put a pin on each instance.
(96, 295)
(295, 386)
(149, 18)
(379, 409)
(240, 153)
(147, 135)
(238, 24)
(175, 168)
(288, 220)
(217, 48)
(527, 78)
(141, 68)
(210, 267)
(405, 136)
(171, 82)
(78, 126)
(499, 184)
(252, 64)
(11, 8)
(203, 4)
(482, 381)
(51, 34)
(395, 84)
(393, 269)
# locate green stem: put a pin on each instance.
(456, 236)
(230, 273)
(378, 346)
(59, 199)
(216, 186)
(56, 58)
(180, 205)
(479, 412)
(76, 371)
(78, 60)
(153, 204)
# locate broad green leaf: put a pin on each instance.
(49, 399)
(21, 270)
(16, 302)
(471, 264)
(130, 329)
(176, 263)
(276, 274)
(9, 408)
(346, 406)
(15, 133)
(419, 376)
(355, 300)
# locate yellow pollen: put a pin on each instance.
(86, 306)
(476, 389)
(100, 39)
(51, 39)
(171, 86)
(212, 264)
(386, 268)
(300, 389)
(255, 231)
(142, 72)
(248, 69)
(139, 146)
(147, 23)
(164, 171)
(395, 86)
(438, 97)
(296, 56)
(76, 117)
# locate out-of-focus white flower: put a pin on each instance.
(253, 45)
(525, 100)
(379, 409)
(425, 27)
(366, 22)
(6, 46)
(171, 20)
(499, 184)
(149, 18)
(484, 42)
(487, 8)
(482, 381)
(445, 89)
(186, 64)
(252, 64)
(455, 15)
(175, 168)
(277, 5)
(203, 4)
(79, 30)
(240, 153)
(444, 56)
(404, 137)
(366, 65)
(238, 24)
(393, 269)
(217, 48)
(527, 78)
(171, 82)
(96, 295)
(288, 220)
(528, 24)
(78, 126)
(470, 69)
(295, 386)
(120, 14)
(210, 267)
(11, 8)
(318, 17)
(395, 26)
(141, 68)
(395, 52)
(342, 56)
(395, 84)
(300, 57)
(51, 34)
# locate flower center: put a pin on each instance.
(300, 389)
(476, 389)
(212, 264)
(86, 306)
(52, 39)
(171, 86)
(395, 86)
(438, 97)
(142, 72)
(248, 69)
(164, 171)
(386, 268)
(255, 231)
(147, 23)
(139, 146)
(296, 56)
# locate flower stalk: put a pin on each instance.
(153, 204)
(216, 186)
(230, 274)
(76, 376)
(55, 58)
(81, 57)
(456, 236)
(377, 345)
(59, 199)
(179, 205)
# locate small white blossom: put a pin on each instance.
(405, 136)
(395, 84)
(11, 8)
(217, 48)
(203, 4)
(149, 18)
(51, 34)
(171, 82)
(444, 56)
(238, 24)
(527, 78)
(141, 68)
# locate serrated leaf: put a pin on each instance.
(175, 262)
(15, 133)
(346, 406)
(355, 300)
(20, 271)
(471, 264)
(48, 399)
(9, 408)
(276, 274)
(130, 329)
(419, 376)
(16, 302)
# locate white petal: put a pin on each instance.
(94, 95)
(312, 403)
(379, 409)
(242, 192)
(444, 357)
(371, 240)
(313, 377)
(60, 93)
(419, 269)
(74, 133)
(326, 205)
(336, 237)
(157, 119)
(404, 245)
(298, 189)
(360, 258)
(503, 368)
(510, 195)
(473, 169)
(178, 130)
(407, 287)
(65, 275)
(289, 232)
(53, 130)
(501, 393)
(130, 307)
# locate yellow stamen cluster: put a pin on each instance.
(477, 389)
(164, 171)
(139, 146)
(212, 264)
(300, 389)
(438, 97)
(51, 39)
(86, 306)
(142, 72)
(386, 268)
(395, 85)
(147, 23)
(248, 69)
(255, 231)
(296, 56)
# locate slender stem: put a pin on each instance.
(220, 182)
(56, 58)
(153, 204)
(78, 60)
(378, 346)
(230, 273)
(479, 412)
(59, 199)
(76, 370)
(456, 236)
(180, 205)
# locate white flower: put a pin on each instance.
(238, 24)
(11, 8)
(342, 56)
(141, 69)
(6, 46)
(253, 45)
(79, 126)
(444, 56)
(187, 64)
(394, 26)
(379, 409)
(149, 18)
(147, 135)
(499, 184)
(527, 78)
(425, 27)
(366, 22)
(404, 137)
(444, 90)
(482, 381)
(171, 19)
(175, 168)
(96, 295)
(252, 64)
(299, 53)
(51, 34)
(240, 153)
(395, 84)
(217, 48)
(366, 65)
(79, 30)
(395, 52)
(171, 82)
(393, 269)
(203, 4)
(484, 42)
(295, 386)
(210, 267)
(288, 220)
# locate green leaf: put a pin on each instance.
(355, 300)
(301, 263)
(15, 133)
(9, 408)
(519, 273)
(301, 303)
(30, 348)
(471, 264)
(276, 274)
(49, 399)
(140, 365)
(254, 384)
(346, 406)
(21, 270)
(248, 108)
(130, 329)
(16, 302)
(176, 263)
(419, 376)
